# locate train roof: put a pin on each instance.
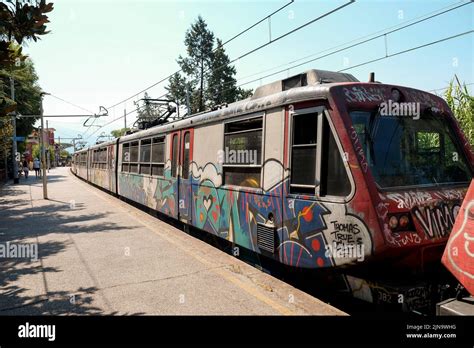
(246, 106)
(312, 84)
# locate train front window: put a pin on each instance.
(403, 151)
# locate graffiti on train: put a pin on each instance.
(437, 221)
(408, 200)
(308, 233)
(363, 94)
(156, 193)
(434, 211)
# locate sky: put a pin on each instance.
(100, 52)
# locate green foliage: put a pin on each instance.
(6, 133)
(177, 89)
(27, 93)
(20, 20)
(462, 104)
(64, 154)
(147, 111)
(199, 41)
(209, 79)
(244, 93)
(221, 83)
(36, 152)
(428, 141)
(119, 132)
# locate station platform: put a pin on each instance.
(97, 255)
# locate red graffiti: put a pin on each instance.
(458, 256)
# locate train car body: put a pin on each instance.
(101, 165)
(311, 174)
(80, 163)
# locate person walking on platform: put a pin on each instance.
(36, 166)
(25, 168)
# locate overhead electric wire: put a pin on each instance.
(441, 89)
(114, 120)
(365, 63)
(385, 31)
(389, 31)
(257, 23)
(408, 50)
(169, 76)
(68, 102)
(348, 47)
(226, 42)
(245, 54)
(291, 31)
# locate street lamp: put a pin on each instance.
(43, 156)
(15, 156)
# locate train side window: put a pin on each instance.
(174, 156)
(103, 158)
(243, 152)
(187, 144)
(134, 157)
(145, 156)
(125, 157)
(158, 156)
(303, 153)
(334, 179)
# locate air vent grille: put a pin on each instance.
(266, 238)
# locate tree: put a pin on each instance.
(222, 83)
(27, 93)
(36, 151)
(147, 111)
(20, 20)
(27, 101)
(117, 133)
(462, 104)
(199, 41)
(209, 79)
(177, 89)
(244, 93)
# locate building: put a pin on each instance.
(33, 139)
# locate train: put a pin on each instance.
(315, 171)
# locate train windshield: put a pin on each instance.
(403, 151)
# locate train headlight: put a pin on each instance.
(404, 221)
(393, 222)
(400, 222)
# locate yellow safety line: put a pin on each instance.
(223, 273)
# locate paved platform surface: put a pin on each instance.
(101, 256)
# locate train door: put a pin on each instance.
(185, 178)
(317, 189)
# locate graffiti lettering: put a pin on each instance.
(345, 227)
(437, 221)
(406, 238)
(347, 241)
(409, 199)
(363, 94)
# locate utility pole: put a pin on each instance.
(43, 155)
(14, 150)
(125, 117)
(57, 152)
(48, 158)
